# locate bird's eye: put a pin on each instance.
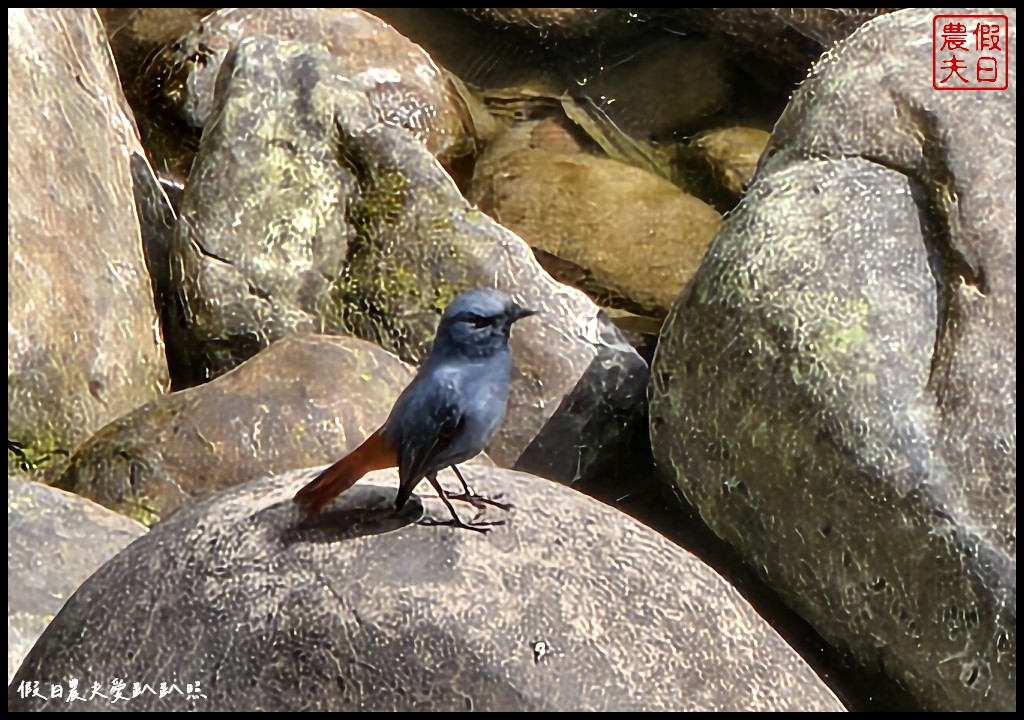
(480, 322)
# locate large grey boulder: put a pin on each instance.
(836, 391)
(262, 229)
(568, 606)
(83, 343)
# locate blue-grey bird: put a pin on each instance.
(447, 414)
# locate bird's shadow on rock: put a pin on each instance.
(361, 511)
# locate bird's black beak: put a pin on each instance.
(518, 312)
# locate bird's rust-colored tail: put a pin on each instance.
(376, 453)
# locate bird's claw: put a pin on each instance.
(480, 527)
(481, 502)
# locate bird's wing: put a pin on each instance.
(433, 424)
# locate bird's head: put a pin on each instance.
(478, 323)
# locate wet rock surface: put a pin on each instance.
(568, 205)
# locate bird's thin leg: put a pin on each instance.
(456, 521)
(469, 495)
(465, 485)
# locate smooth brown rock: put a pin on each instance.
(732, 154)
(633, 235)
(301, 402)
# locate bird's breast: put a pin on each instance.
(486, 398)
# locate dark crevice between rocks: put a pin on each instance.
(206, 252)
(33, 460)
(934, 190)
(258, 292)
(184, 372)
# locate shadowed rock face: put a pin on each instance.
(55, 540)
(82, 341)
(304, 214)
(303, 401)
(568, 606)
(558, 22)
(732, 155)
(136, 34)
(818, 28)
(777, 45)
(836, 391)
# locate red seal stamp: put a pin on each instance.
(970, 52)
